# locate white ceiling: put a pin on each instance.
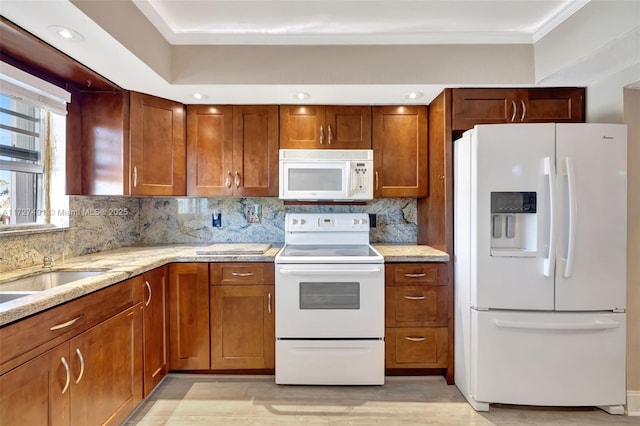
(354, 21)
(240, 51)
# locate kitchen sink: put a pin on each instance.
(43, 281)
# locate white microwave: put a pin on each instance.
(326, 174)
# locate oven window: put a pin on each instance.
(315, 179)
(329, 295)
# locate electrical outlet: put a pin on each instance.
(372, 220)
(254, 213)
(216, 219)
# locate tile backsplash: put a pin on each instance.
(103, 223)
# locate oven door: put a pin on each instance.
(329, 301)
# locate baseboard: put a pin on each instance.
(633, 403)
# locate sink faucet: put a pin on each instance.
(47, 261)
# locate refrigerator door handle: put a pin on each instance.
(573, 210)
(584, 325)
(550, 259)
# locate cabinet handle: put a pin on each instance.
(81, 366)
(415, 297)
(227, 181)
(146, 283)
(66, 367)
(135, 177)
(330, 134)
(377, 180)
(419, 275)
(524, 110)
(66, 324)
(415, 339)
(242, 274)
(269, 300)
(321, 135)
(513, 106)
(236, 179)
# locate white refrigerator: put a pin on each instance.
(540, 265)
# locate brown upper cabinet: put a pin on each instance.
(157, 146)
(132, 144)
(400, 151)
(534, 105)
(232, 150)
(325, 127)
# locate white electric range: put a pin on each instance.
(329, 301)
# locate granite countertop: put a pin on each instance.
(121, 264)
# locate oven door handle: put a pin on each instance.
(327, 271)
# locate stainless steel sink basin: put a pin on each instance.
(35, 283)
(10, 295)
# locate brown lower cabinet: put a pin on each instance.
(93, 374)
(418, 325)
(189, 316)
(155, 313)
(242, 316)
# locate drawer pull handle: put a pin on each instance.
(419, 275)
(66, 324)
(269, 297)
(415, 339)
(415, 297)
(242, 274)
(66, 367)
(146, 283)
(81, 366)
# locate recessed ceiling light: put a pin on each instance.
(414, 95)
(301, 95)
(66, 33)
(199, 96)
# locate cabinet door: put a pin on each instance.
(155, 327)
(209, 150)
(188, 316)
(400, 151)
(483, 106)
(559, 104)
(105, 133)
(157, 146)
(423, 347)
(255, 151)
(242, 327)
(300, 126)
(106, 370)
(348, 127)
(37, 392)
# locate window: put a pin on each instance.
(32, 151)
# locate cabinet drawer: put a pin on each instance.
(417, 347)
(415, 274)
(416, 306)
(241, 273)
(36, 334)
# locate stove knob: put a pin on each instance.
(294, 221)
(302, 221)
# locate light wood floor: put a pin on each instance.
(257, 400)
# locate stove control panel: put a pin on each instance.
(323, 222)
(327, 222)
